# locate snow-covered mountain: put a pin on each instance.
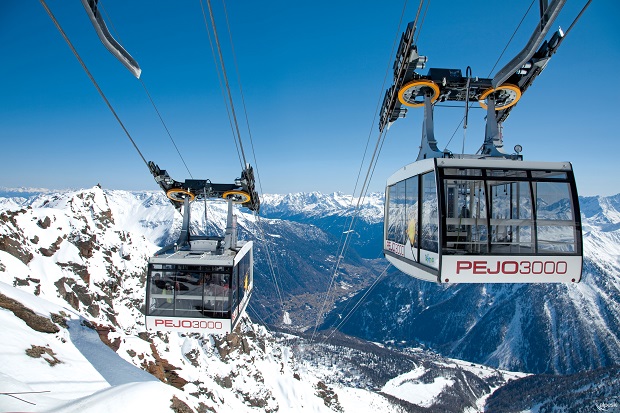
(292, 248)
(333, 213)
(71, 294)
(72, 264)
(587, 391)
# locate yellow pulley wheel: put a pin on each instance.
(179, 195)
(238, 197)
(408, 93)
(507, 96)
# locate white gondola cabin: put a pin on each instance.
(203, 289)
(487, 217)
(478, 221)
(201, 283)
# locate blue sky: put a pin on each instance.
(312, 74)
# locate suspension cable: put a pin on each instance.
(372, 167)
(232, 117)
(381, 92)
(511, 37)
(221, 83)
(575, 21)
(342, 251)
(161, 119)
(423, 18)
(165, 127)
(343, 247)
(259, 222)
(260, 318)
(245, 111)
(491, 71)
(92, 79)
(226, 82)
(272, 268)
(357, 304)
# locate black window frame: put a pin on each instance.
(195, 268)
(529, 178)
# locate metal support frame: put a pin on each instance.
(428, 146)
(183, 243)
(204, 188)
(108, 41)
(230, 236)
(185, 237)
(520, 72)
(493, 143)
(548, 15)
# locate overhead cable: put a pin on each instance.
(469, 106)
(363, 190)
(357, 304)
(92, 79)
(245, 111)
(161, 119)
(221, 83)
(575, 21)
(226, 82)
(233, 119)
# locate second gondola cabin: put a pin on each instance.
(203, 289)
(201, 283)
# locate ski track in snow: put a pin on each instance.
(114, 369)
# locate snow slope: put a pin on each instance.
(74, 261)
(80, 374)
(77, 258)
(75, 372)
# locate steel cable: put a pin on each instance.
(364, 189)
(357, 304)
(92, 79)
(117, 35)
(226, 82)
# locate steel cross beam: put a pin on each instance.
(243, 190)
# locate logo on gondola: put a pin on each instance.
(395, 248)
(525, 267)
(193, 324)
(429, 259)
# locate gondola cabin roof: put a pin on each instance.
(427, 165)
(202, 252)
